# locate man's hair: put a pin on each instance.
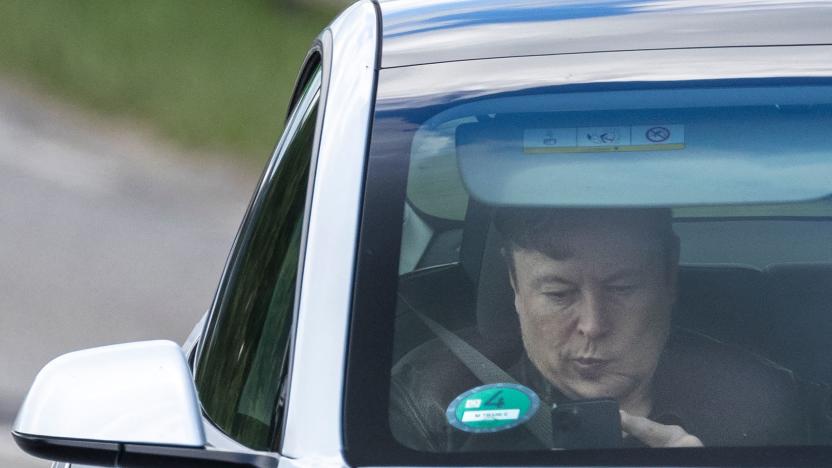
(532, 228)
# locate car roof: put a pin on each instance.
(429, 31)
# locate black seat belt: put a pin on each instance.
(540, 425)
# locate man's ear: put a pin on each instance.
(506, 254)
(508, 257)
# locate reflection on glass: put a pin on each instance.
(635, 267)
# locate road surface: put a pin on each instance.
(105, 237)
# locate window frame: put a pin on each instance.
(312, 62)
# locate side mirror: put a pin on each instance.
(126, 405)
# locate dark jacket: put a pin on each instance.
(719, 393)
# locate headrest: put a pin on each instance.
(723, 301)
(483, 264)
(496, 316)
(477, 220)
(800, 301)
(809, 278)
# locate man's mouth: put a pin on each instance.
(588, 365)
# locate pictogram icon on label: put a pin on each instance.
(657, 134)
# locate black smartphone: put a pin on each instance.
(586, 424)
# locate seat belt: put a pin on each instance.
(540, 425)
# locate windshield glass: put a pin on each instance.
(619, 267)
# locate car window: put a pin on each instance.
(241, 370)
(665, 252)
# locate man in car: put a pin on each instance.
(593, 291)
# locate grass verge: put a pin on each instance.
(208, 73)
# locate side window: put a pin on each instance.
(241, 371)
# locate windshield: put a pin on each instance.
(618, 267)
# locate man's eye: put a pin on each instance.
(622, 288)
(559, 296)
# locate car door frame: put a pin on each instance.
(348, 49)
(315, 57)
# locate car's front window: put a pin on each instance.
(604, 268)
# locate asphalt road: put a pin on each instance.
(105, 237)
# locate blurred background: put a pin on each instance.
(131, 138)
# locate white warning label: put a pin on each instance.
(604, 139)
(491, 415)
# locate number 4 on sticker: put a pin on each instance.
(494, 401)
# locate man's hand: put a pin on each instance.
(657, 435)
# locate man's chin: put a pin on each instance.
(583, 389)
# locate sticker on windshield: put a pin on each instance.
(604, 139)
(492, 408)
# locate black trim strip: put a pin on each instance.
(136, 455)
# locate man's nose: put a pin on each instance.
(593, 320)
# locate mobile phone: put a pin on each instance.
(586, 424)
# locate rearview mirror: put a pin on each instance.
(642, 147)
(125, 405)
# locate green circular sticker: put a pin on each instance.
(492, 408)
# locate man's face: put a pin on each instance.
(595, 308)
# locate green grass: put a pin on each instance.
(214, 74)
